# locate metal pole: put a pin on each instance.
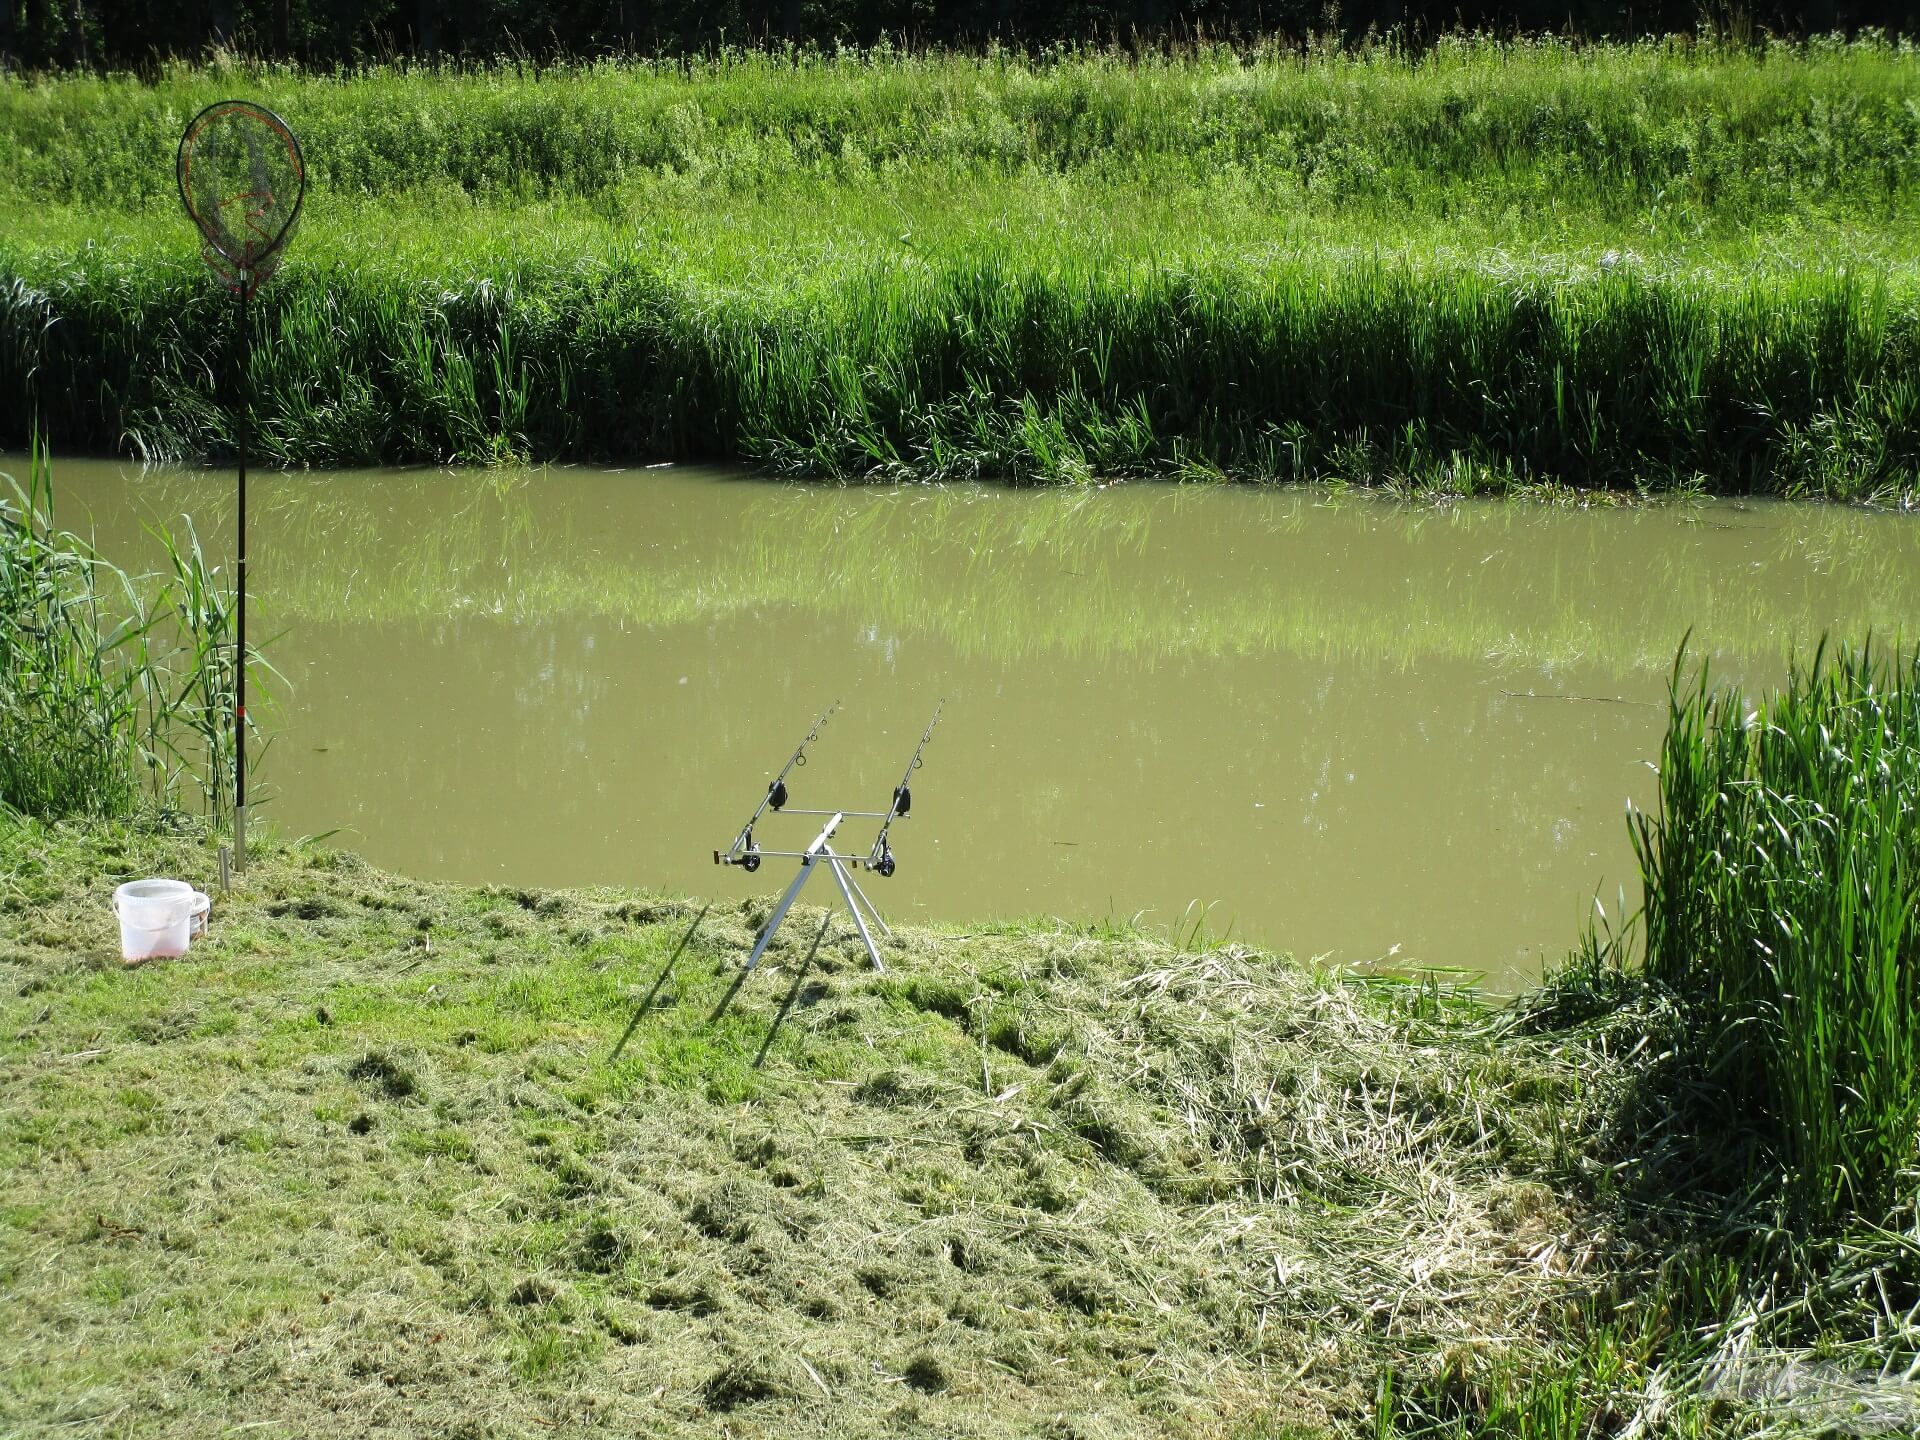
(860, 924)
(242, 423)
(779, 913)
(872, 910)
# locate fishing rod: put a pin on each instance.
(880, 858)
(820, 855)
(743, 852)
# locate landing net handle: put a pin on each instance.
(243, 181)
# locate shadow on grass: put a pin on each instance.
(793, 991)
(646, 1005)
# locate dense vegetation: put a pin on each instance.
(1771, 1120)
(42, 33)
(1782, 880)
(116, 691)
(1485, 266)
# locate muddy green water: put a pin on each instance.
(1344, 727)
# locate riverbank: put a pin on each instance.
(367, 1151)
(1488, 267)
(424, 1153)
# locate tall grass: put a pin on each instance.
(1480, 267)
(1782, 875)
(1728, 134)
(1372, 372)
(115, 691)
(1758, 1151)
(1762, 1136)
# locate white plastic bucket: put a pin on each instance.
(202, 903)
(156, 918)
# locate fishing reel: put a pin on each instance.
(878, 860)
(749, 858)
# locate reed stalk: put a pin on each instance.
(115, 689)
(1782, 875)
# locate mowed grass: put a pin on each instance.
(1480, 268)
(365, 1160)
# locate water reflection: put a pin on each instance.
(1350, 725)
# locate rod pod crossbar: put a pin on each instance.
(820, 854)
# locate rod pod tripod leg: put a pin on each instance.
(814, 857)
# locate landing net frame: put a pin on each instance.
(244, 230)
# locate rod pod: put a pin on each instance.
(820, 855)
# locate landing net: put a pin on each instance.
(242, 180)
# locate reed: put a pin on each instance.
(115, 690)
(1412, 375)
(1782, 876)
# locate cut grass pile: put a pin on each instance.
(362, 1162)
(1480, 268)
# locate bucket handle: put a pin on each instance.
(196, 896)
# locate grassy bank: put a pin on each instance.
(1486, 266)
(368, 1152)
(437, 1160)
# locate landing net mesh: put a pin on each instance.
(242, 180)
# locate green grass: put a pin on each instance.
(1478, 269)
(1782, 876)
(369, 1142)
(440, 1152)
(115, 690)
(1769, 995)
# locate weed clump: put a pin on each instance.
(925, 1373)
(747, 1381)
(390, 1075)
(1782, 876)
(602, 1247)
(534, 1290)
(115, 692)
(729, 1210)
